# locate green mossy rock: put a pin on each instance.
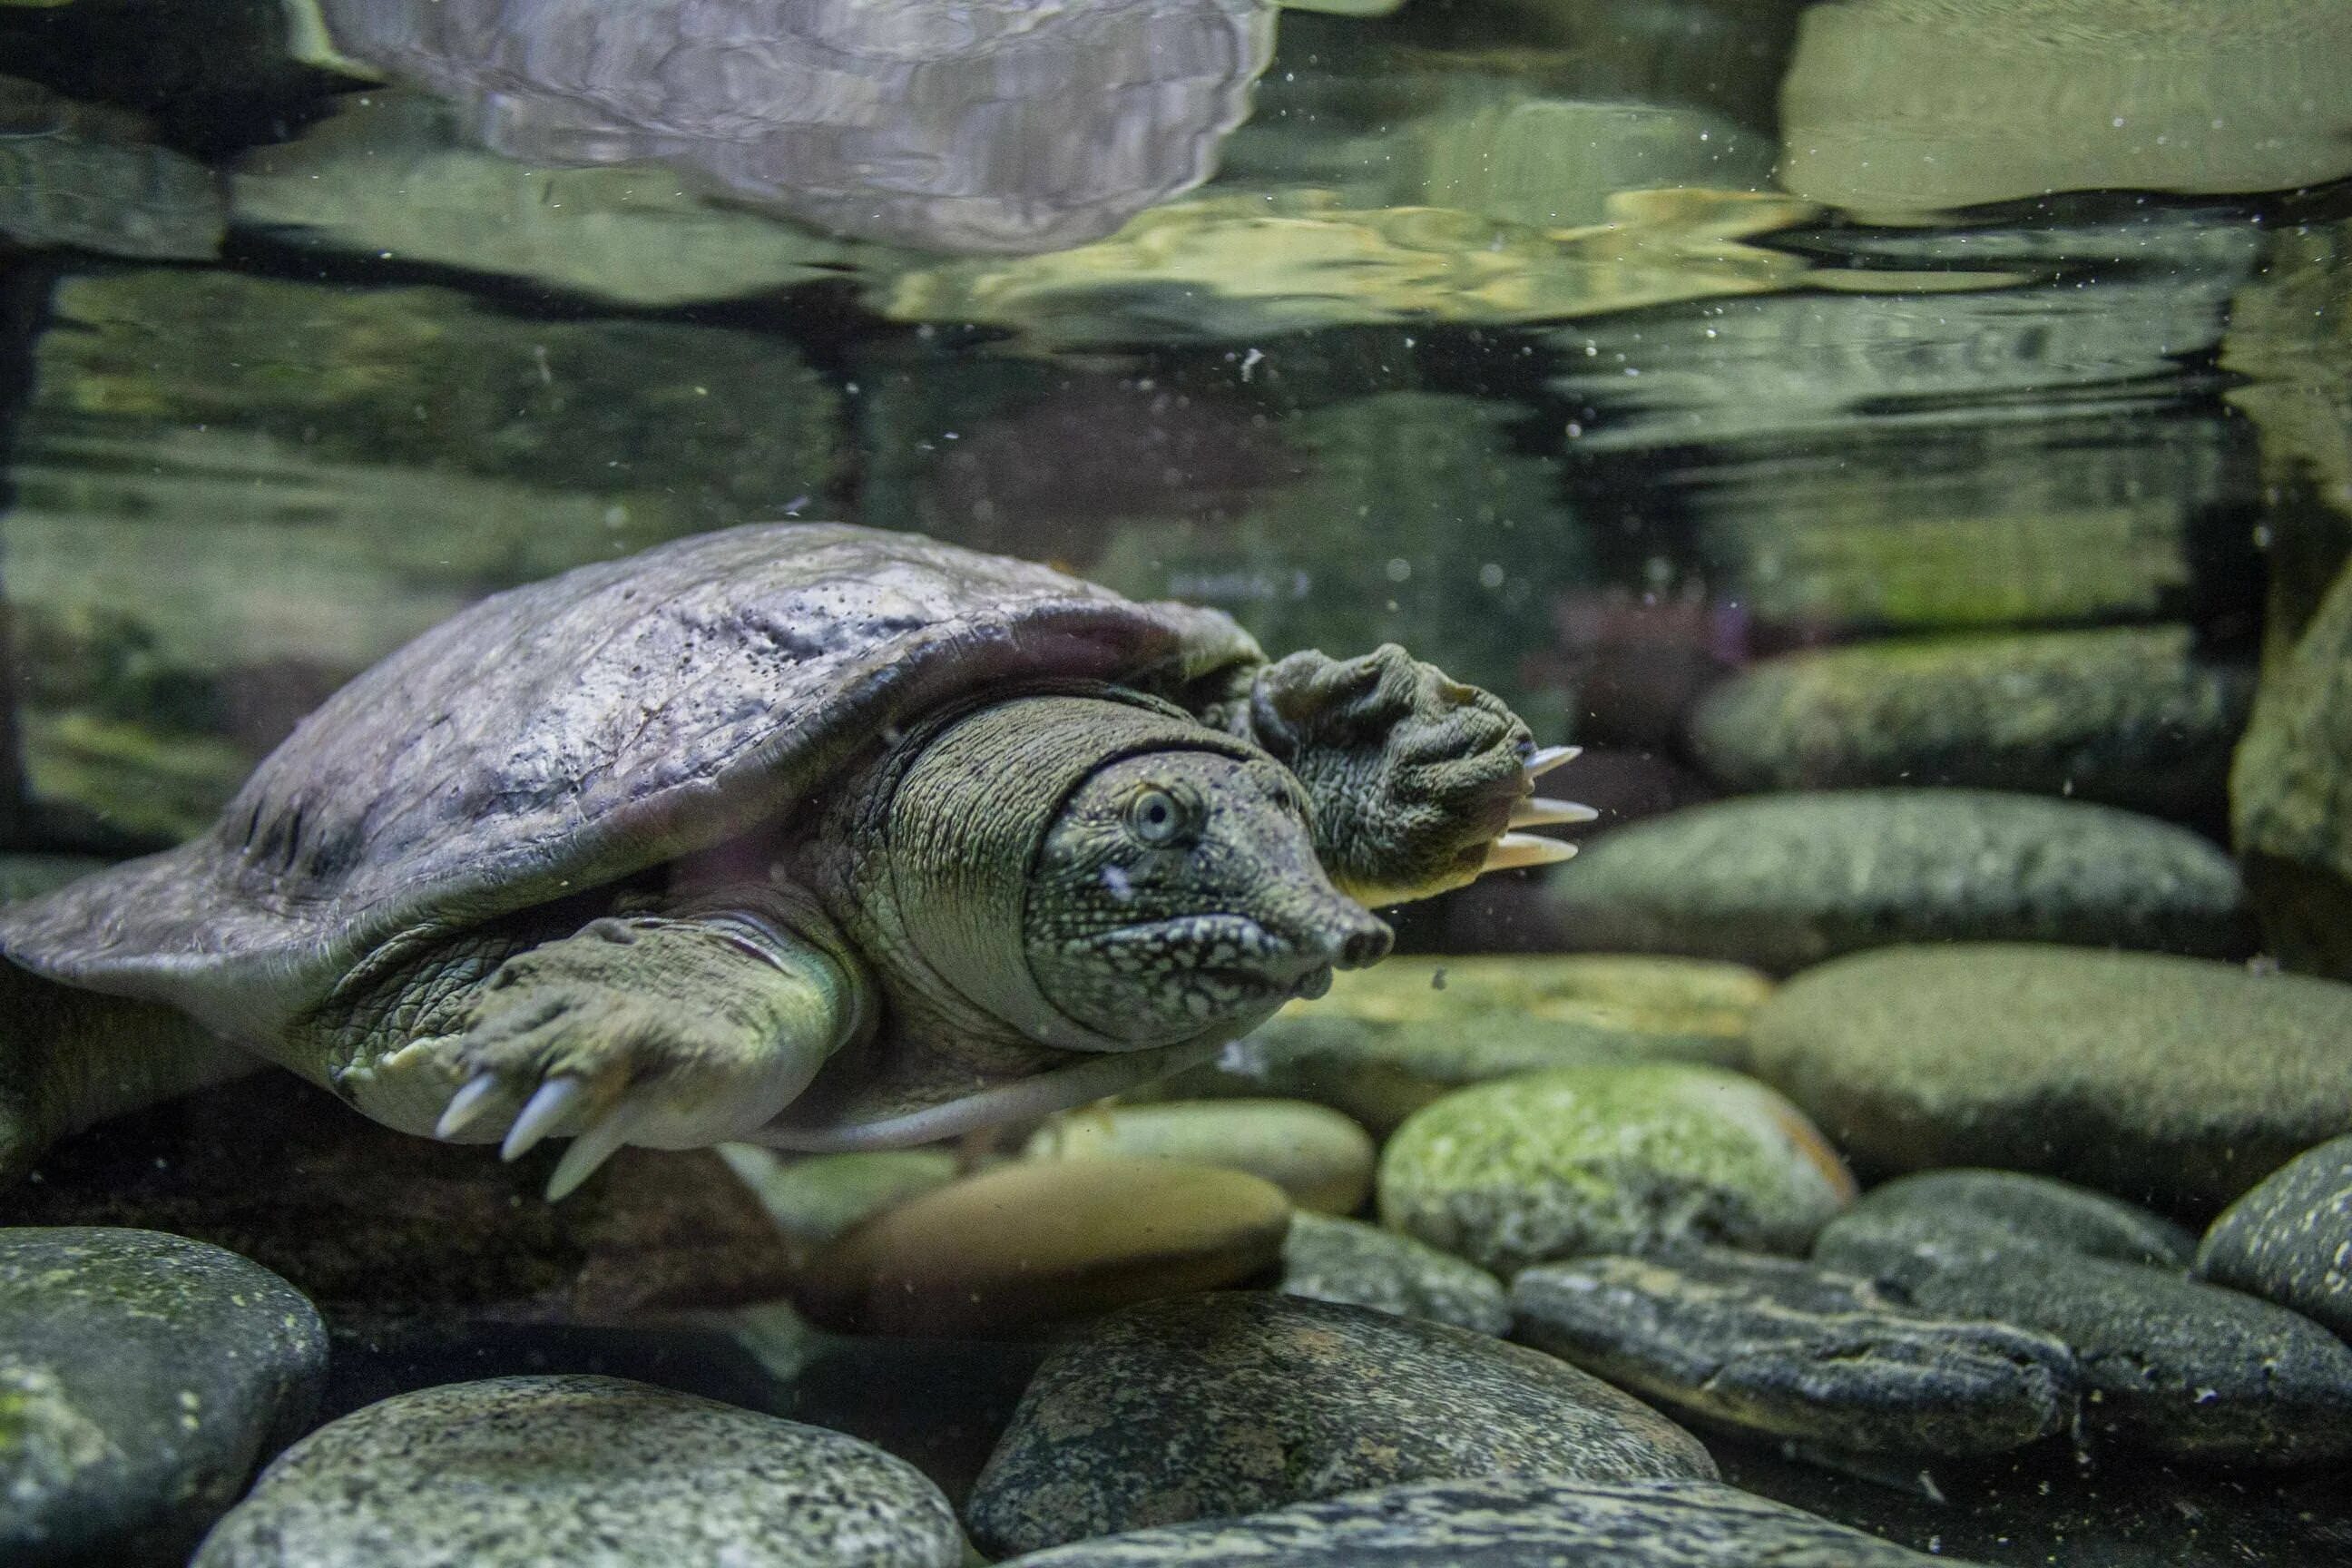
(2165, 1080)
(1227, 1403)
(2291, 791)
(1784, 881)
(2039, 1209)
(816, 1198)
(1610, 1159)
(2130, 716)
(1389, 1040)
(142, 1377)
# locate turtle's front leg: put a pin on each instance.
(1417, 779)
(672, 1030)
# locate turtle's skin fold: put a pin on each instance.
(810, 834)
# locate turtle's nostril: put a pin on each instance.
(1365, 945)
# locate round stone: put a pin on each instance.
(2130, 716)
(2162, 1080)
(2290, 1239)
(595, 1472)
(1778, 1348)
(142, 1377)
(2168, 1363)
(1329, 1259)
(1034, 1241)
(1389, 1040)
(1610, 1159)
(816, 1198)
(1227, 1403)
(1508, 1523)
(1787, 880)
(1323, 1159)
(2039, 1208)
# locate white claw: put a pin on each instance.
(1539, 811)
(467, 1106)
(1542, 762)
(590, 1150)
(1513, 850)
(548, 1107)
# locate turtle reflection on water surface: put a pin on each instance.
(807, 833)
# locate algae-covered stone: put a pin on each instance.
(1783, 881)
(1779, 1348)
(2162, 1080)
(1508, 1523)
(1389, 1040)
(2290, 1239)
(2038, 1208)
(1029, 1243)
(2291, 789)
(2131, 716)
(1610, 1159)
(142, 1377)
(1359, 1265)
(2168, 1363)
(511, 1471)
(1226, 1404)
(1320, 1157)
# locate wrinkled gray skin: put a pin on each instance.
(807, 833)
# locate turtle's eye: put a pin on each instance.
(1161, 818)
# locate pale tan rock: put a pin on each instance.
(1323, 1159)
(1032, 1242)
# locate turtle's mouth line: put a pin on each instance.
(1231, 951)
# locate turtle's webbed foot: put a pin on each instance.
(1418, 779)
(665, 1033)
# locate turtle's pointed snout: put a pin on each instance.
(1358, 939)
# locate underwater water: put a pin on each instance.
(1906, 444)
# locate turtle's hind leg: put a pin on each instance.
(69, 1058)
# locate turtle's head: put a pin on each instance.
(1178, 890)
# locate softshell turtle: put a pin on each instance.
(812, 835)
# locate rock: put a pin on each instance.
(1781, 1349)
(2290, 1239)
(2131, 716)
(1228, 1404)
(88, 177)
(1345, 1261)
(2291, 789)
(390, 1232)
(1784, 881)
(1389, 1040)
(2168, 1363)
(1026, 1244)
(390, 171)
(521, 1470)
(2037, 1209)
(1318, 1156)
(816, 1198)
(142, 1377)
(1610, 1159)
(2163, 1080)
(1898, 113)
(1506, 1523)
